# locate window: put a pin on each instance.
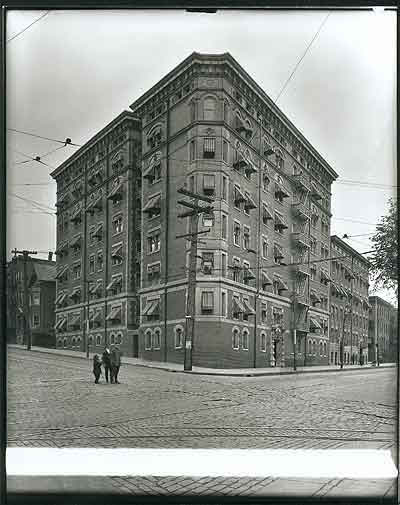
(236, 270)
(192, 150)
(207, 262)
(277, 316)
(263, 313)
(76, 271)
(207, 302)
(224, 226)
(236, 234)
(224, 188)
(321, 349)
(36, 298)
(192, 111)
(209, 109)
(208, 220)
(226, 111)
(36, 320)
(153, 242)
(100, 261)
(264, 248)
(154, 138)
(178, 337)
(116, 255)
(263, 342)
(157, 338)
(245, 340)
(91, 264)
(223, 264)
(209, 184)
(246, 237)
(223, 304)
(117, 225)
(153, 272)
(310, 347)
(313, 273)
(98, 340)
(147, 340)
(279, 160)
(265, 181)
(224, 150)
(209, 148)
(235, 338)
(65, 342)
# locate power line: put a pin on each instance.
(24, 30)
(301, 59)
(37, 158)
(33, 184)
(67, 141)
(353, 221)
(33, 202)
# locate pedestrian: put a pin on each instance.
(115, 361)
(105, 358)
(96, 368)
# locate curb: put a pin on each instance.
(228, 374)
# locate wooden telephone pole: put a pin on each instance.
(194, 213)
(27, 328)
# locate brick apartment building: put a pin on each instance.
(98, 240)
(41, 284)
(382, 332)
(349, 309)
(208, 126)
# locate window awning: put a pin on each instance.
(95, 203)
(75, 292)
(61, 323)
(115, 314)
(248, 309)
(241, 162)
(95, 316)
(239, 196)
(95, 288)
(315, 296)
(153, 204)
(116, 191)
(279, 221)
(114, 283)
(62, 247)
(315, 192)
(249, 204)
(265, 279)
(281, 285)
(266, 213)
(268, 148)
(248, 274)
(59, 296)
(76, 321)
(314, 324)
(62, 200)
(250, 167)
(238, 306)
(62, 272)
(280, 190)
(152, 308)
(149, 172)
(116, 252)
(98, 232)
(76, 241)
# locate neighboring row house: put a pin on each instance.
(38, 316)
(98, 240)
(208, 126)
(383, 338)
(349, 311)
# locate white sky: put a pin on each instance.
(72, 72)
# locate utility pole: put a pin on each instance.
(87, 286)
(345, 312)
(27, 330)
(351, 310)
(194, 213)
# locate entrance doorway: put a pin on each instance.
(135, 345)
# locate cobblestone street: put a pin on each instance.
(53, 402)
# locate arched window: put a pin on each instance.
(314, 347)
(209, 109)
(310, 347)
(321, 348)
(263, 342)
(245, 339)
(235, 338)
(157, 338)
(65, 342)
(60, 342)
(147, 340)
(119, 338)
(98, 340)
(178, 337)
(325, 349)
(112, 338)
(73, 341)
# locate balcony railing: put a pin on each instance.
(302, 299)
(300, 211)
(300, 181)
(301, 240)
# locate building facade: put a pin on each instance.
(382, 342)
(38, 317)
(261, 274)
(98, 240)
(349, 305)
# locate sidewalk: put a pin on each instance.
(232, 372)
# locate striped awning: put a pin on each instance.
(116, 190)
(61, 323)
(279, 221)
(152, 308)
(247, 308)
(266, 213)
(281, 284)
(63, 246)
(265, 279)
(75, 292)
(314, 296)
(114, 283)
(249, 204)
(280, 190)
(76, 241)
(115, 314)
(314, 323)
(239, 196)
(98, 231)
(238, 307)
(153, 204)
(315, 191)
(95, 288)
(116, 252)
(62, 272)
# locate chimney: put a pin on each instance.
(50, 257)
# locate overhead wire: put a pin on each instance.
(67, 141)
(27, 27)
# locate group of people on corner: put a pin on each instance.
(111, 361)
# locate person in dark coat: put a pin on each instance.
(96, 368)
(115, 361)
(105, 358)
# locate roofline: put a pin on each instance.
(335, 238)
(381, 300)
(236, 65)
(124, 114)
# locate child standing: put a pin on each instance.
(96, 368)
